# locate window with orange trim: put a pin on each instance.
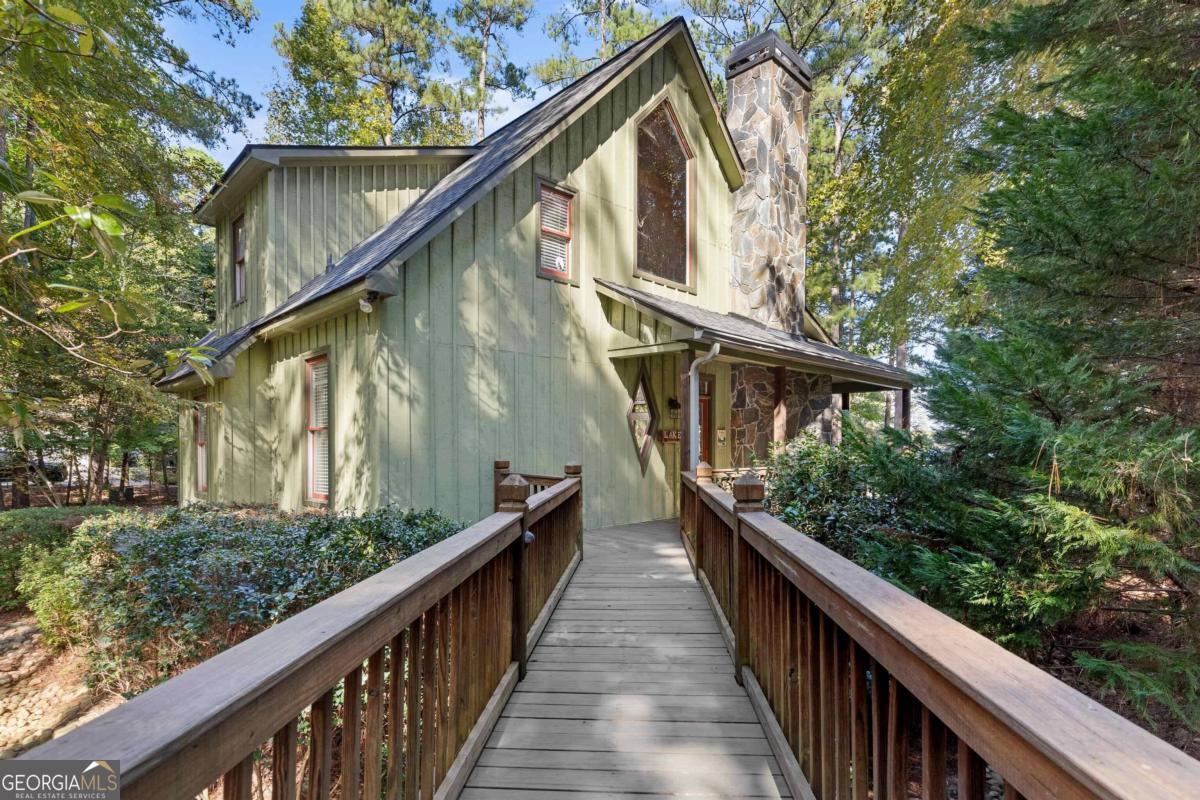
(200, 435)
(237, 242)
(316, 401)
(555, 211)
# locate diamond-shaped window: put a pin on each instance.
(643, 418)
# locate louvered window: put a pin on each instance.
(554, 246)
(200, 433)
(317, 402)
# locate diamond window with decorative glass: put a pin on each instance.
(555, 210)
(237, 240)
(317, 424)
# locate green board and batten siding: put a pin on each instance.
(477, 358)
(482, 359)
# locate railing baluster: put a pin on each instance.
(858, 722)
(351, 734)
(283, 762)
(320, 748)
(373, 756)
(972, 773)
(238, 783)
(933, 757)
(897, 741)
(412, 665)
(880, 684)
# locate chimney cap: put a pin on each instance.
(767, 46)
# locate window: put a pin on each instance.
(316, 400)
(200, 435)
(643, 418)
(663, 194)
(555, 208)
(237, 242)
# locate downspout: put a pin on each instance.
(694, 405)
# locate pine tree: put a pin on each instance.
(370, 68)
(610, 25)
(481, 44)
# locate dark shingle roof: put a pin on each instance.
(738, 331)
(498, 155)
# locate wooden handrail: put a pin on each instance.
(185, 734)
(835, 652)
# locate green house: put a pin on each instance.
(615, 278)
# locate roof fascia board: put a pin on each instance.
(337, 303)
(710, 111)
(764, 354)
(258, 158)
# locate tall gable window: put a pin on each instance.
(555, 211)
(316, 401)
(200, 436)
(663, 198)
(237, 244)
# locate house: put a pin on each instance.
(614, 278)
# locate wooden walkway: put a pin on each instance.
(630, 691)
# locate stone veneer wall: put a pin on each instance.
(807, 398)
(768, 119)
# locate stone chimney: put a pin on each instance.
(769, 89)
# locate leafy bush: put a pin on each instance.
(1041, 572)
(148, 598)
(42, 529)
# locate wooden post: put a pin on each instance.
(845, 401)
(905, 408)
(703, 478)
(576, 471)
(685, 413)
(779, 433)
(499, 473)
(748, 493)
(513, 494)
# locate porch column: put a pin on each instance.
(686, 414)
(779, 434)
(905, 414)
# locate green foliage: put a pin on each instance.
(481, 44)
(609, 25)
(1029, 569)
(40, 530)
(148, 596)
(365, 73)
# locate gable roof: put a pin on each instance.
(496, 157)
(857, 373)
(255, 159)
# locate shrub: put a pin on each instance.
(1026, 568)
(148, 598)
(43, 529)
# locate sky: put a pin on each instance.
(254, 64)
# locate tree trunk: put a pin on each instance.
(70, 475)
(20, 479)
(481, 79)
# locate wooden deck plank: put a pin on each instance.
(630, 691)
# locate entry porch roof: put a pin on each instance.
(744, 339)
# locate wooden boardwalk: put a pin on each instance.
(630, 691)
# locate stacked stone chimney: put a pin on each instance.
(769, 92)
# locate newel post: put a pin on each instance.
(748, 493)
(511, 496)
(500, 471)
(576, 471)
(703, 478)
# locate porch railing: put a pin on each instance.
(865, 691)
(404, 674)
